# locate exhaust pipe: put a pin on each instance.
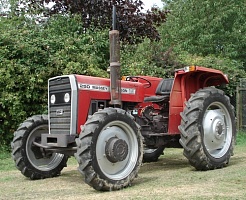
(115, 74)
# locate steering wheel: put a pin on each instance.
(136, 79)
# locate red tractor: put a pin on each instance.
(112, 126)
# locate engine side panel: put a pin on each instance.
(98, 89)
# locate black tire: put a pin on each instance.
(109, 150)
(152, 155)
(208, 129)
(28, 158)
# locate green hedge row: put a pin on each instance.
(30, 54)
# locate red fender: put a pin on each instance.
(186, 82)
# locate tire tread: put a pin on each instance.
(191, 136)
(19, 153)
(84, 156)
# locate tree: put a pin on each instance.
(30, 54)
(133, 24)
(4, 7)
(206, 27)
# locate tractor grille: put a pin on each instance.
(60, 110)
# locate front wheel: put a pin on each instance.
(208, 129)
(109, 150)
(31, 160)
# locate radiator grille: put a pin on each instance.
(60, 111)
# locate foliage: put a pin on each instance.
(4, 4)
(141, 60)
(151, 58)
(30, 54)
(232, 68)
(241, 138)
(133, 24)
(206, 27)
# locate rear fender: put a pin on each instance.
(188, 81)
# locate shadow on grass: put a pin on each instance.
(237, 160)
(172, 159)
(72, 176)
(169, 163)
(164, 164)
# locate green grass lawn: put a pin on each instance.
(170, 178)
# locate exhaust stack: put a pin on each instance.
(115, 83)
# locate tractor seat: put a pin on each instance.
(162, 91)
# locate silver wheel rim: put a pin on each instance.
(42, 164)
(121, 169)
(217, 127)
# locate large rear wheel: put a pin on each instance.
(109, 150)
(208, 129)
(32, 161)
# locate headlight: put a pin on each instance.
(52, 99)
(67, 97)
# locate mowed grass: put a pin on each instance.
(170, 178)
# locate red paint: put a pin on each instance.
(185, 83)
(85, 96)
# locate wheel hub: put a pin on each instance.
(214, 124)
(116, 150)
(214, 131)
(219, 129)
